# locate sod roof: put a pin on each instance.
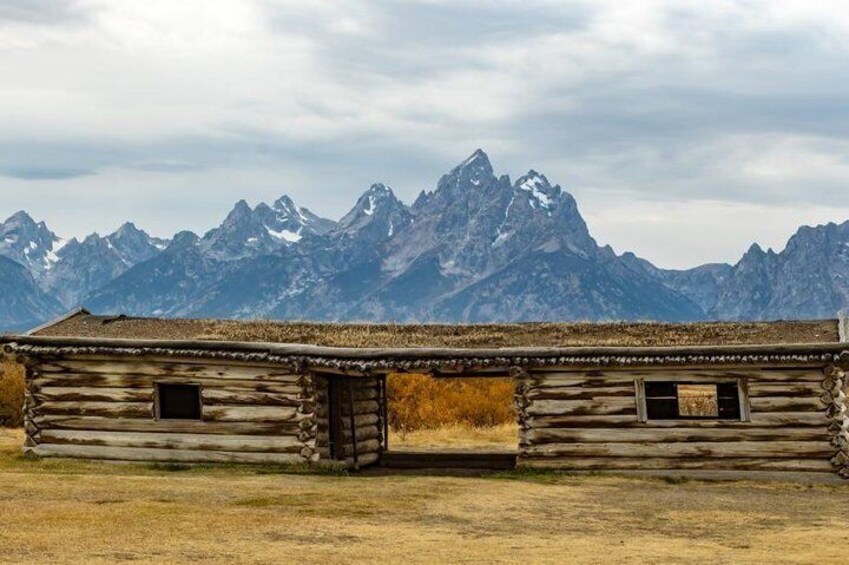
(361, 335)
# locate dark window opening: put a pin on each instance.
(673, 401)
(178, 402)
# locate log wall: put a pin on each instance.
(367, 422)
(105, 409)
(588, 421)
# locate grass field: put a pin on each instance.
(75, 512)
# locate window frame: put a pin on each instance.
(742, 397)
(157, 398)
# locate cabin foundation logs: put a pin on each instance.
(834, 385)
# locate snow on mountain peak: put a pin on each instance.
(538, 188)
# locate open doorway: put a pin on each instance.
(451, 417)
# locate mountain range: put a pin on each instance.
(477, 248)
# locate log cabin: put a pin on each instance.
(607, 397)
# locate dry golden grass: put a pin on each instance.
(71, 512)
(426, 413)
(418, 402)
(455, 335)
(458, 437)
(11, 394)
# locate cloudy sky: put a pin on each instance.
(686, 130)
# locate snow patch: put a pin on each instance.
(369, 210)
(52, 256)
(286, 235)
(534, 185)
(501, 236)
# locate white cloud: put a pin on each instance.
(144, 110)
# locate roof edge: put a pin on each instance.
(80, 311)
(294, 349)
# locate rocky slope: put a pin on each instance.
(22, 303)
(477, 248)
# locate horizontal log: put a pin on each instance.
(252, 414)
(202, 442)
(643, 463)
(110, 409)
(579, 381)
(580, 393)
(782, 404)
(361, 407)
(787, 390)
(162, 455)
(214, 397)
(148, 381)
(605, 406)
(370, 393)
(765, 449)
(363, 459)
(160, 369)
(99, 423)
(360, 421)
(540, 436)
(363, 447)
(566, 378)
(363, 433)
(94, 394)
(766, 420)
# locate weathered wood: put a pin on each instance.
(100, 423)
(251, 414)
(110, 409)
(361, 407)
(362, 447)
(645, 434)
(606, 406)
(94, 394)
(785, 390)
(645, 463)
(363, 433)
(203, 442)
(360, 420)
(363, 459)
(162, 455)
(590, 378)
(776, 420)
(718, 450)
(354, 452)
(208, 370)
(782, 404)
(144, 381)
(580, 393)
(213, 397)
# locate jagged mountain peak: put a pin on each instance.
(377, 215)
(476, 247)
(247, 232)
(474, 171)
(183, 240)
(29, 243)
(314, 223)
(540, 192)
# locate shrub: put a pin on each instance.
(423, 402)
(11, 395)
